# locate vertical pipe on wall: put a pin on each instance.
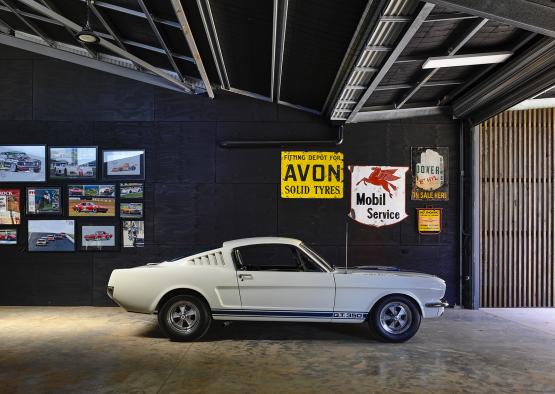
(476, 178)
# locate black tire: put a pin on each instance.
(396, 318)
(179, 328)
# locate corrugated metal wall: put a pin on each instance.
(517, 209)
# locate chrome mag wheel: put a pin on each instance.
(396, 317)
(184, 316)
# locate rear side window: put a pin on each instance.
(273, 257)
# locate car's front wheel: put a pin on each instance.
(184, 318)
(395, 318)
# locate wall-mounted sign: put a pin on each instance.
(311, 175)
(429, 220)
(430, 173)
(378, 195)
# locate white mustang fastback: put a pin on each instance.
(276, 279)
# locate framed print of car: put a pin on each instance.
(98, 237)
(72, 162)
(22, 163)
(130, 210)
(133, 233)
(44, 201)
(91, 200)
(131, 191)
(8, 236)
(124, 164)
(51, 235)
(10, 206)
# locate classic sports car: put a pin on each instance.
(276, 279)
(89, 207)
(18, 161)
(75, 191)
(63, 168)
(42, 241)
(124, 167)
(98, 236)
(7, 236)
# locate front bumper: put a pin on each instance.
(440, 304)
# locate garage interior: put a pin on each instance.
(214, 99)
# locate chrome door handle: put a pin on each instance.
(245, 276)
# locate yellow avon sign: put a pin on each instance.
(311, 175)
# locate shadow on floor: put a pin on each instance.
(276, 331)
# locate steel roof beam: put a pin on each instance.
(29, 24)
(412, 86)
(392, 114)
(108, 26)
(524, 14)
(454, 49)
(138, 14)
(411, 30)
(280, 32)
(159, 38)
(188, 33)
(186, 86)
(213, 42)
(449, 17)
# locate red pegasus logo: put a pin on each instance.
(381, 178)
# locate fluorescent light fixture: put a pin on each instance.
(466, 60)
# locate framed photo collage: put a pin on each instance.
(84, 206)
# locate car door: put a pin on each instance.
(280, 282)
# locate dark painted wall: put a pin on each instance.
(197, 194)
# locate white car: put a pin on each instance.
(276, 279)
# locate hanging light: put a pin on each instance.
(87, 34)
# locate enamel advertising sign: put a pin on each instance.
(378, 195)
(430, 174)
(311, 175)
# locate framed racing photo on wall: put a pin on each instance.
(133, 233)
(91, 200)
(131, 210)
(10, 206)
(131, 191)
(98, 237)
(72, 162)
(8, 236)
(51, 235)
(124, 164)
(44, 200)
(22, 163)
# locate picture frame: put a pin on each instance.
(91, 200)
(131, 191)
(98, 237)
(73, 163)
(131, 210)
(133, 233)
(44, 200)
(124, 164)
(10, 206)
(8, 236)
(47, 235)
(23, 163)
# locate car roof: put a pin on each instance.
(261, 240)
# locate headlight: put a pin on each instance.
(110, 291)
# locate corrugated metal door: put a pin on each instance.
(517, 204)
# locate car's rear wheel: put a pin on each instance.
(184, 318)
(395, 318)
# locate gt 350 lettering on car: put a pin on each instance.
(275, 279)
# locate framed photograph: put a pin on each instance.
(131, 191)
(124, 164)
(8, 236)
(131, 210)
(51, 235)
(44, 201)
(98, 237)
(22, 163)
(91, 200)
(72, 162)
(133, 233)
(10, 206)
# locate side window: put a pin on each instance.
(267, 257)
(274, 257)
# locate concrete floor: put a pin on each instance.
(105, 350)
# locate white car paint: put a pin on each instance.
(334, 295)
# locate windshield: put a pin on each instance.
(317, 257)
